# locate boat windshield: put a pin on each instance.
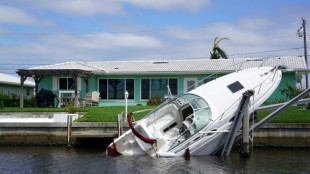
(165, 103)
(195, 119)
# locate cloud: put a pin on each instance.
(103, 41)
(81, 7)
(4, 31)
(62, 47)
(186, 5)
(112, 7)
(12, 15)
(247, 35)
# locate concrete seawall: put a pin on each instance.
(283, 135)
(280, 134)
(53, 133)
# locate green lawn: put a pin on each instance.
(94, 114)
(109, 114)
(294, 114)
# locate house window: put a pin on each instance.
(114, 89)
(208, 79)
(28, 91)
(158, 87)
(66, 83)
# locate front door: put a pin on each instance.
(189, 84)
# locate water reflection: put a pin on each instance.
(94, 160)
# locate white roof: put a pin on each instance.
(180, 66)
(11, 80)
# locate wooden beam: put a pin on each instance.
(21, 94)
(37, 80)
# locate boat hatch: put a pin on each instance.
(196, 115)
(235, 87)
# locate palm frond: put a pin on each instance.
(216, 43)
(221, 53)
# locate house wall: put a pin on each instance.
(15, 89)
(287, 77)
(47, 83)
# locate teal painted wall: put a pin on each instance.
(286, 77)
(46, 83)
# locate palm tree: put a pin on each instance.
(217, 51)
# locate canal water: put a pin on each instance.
(18, 159)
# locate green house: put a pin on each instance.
(146, 79)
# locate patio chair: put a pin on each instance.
(91, 99)
(95, 98)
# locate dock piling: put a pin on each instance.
(120, 124)
(69, 126)
(245, 151)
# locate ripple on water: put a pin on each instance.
(94, 160)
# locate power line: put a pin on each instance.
(268, 51)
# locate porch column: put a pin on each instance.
(21, 94)
(76, 99)
(37, 81)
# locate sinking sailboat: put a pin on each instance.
(199, 121)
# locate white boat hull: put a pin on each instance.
(197, 123)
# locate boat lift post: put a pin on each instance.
(120, 121)
(245, 151)
(237, 123)
(281, 108)
(69, 129)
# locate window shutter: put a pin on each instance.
(55, 83)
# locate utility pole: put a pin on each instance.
(305, 48)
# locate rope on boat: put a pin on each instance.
(146, 140)
(112, 151)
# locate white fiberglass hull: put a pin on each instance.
(198, 122)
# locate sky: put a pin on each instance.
(40, 32)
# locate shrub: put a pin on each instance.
(291, 91)
(277, 101)
(12, 100)
(154, 101)
(29, 102)
(71, 109)
(1, 102)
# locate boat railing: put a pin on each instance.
(215, 74)
(239, 99)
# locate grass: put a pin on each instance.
(109, 114)
(294, 114)
(94, 114)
